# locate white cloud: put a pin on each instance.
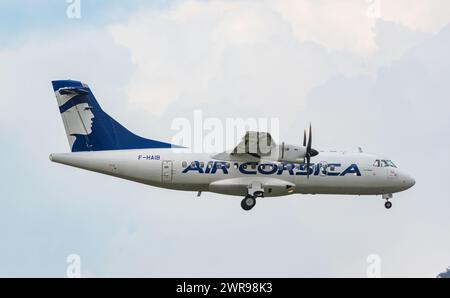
(338, 25)
(349, 25)
(252, 54)
(243, 53)
(428, 16)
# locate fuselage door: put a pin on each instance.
(167, 171)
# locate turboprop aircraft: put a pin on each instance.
(256, 168)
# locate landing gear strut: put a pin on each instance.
(255, 190)
(248, 203)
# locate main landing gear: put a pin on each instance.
(255, 190)
(248, 203)
(387, 205)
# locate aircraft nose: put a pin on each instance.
(408, 181)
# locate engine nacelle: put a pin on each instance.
(291, 153)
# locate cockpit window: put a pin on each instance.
(390, 164)
(384, 164)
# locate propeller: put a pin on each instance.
(304, 139)
(310, 152)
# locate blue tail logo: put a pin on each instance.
(88, 127)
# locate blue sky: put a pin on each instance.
(20, 18)
(379, 83)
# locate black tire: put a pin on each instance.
(388, 205)
(248, 203)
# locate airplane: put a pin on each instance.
(256, 168)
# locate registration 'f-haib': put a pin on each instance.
(256, 168)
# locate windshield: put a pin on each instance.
(390, 164)
(384, 163)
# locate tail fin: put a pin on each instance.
(88, 127)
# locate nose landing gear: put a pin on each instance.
(387, 205)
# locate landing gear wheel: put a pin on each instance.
(388, 205)
(248, 203)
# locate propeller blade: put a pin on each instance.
(308, 163)
(309, 151)
(304, 138)
(310, 139)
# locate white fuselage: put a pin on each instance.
(332, 172)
